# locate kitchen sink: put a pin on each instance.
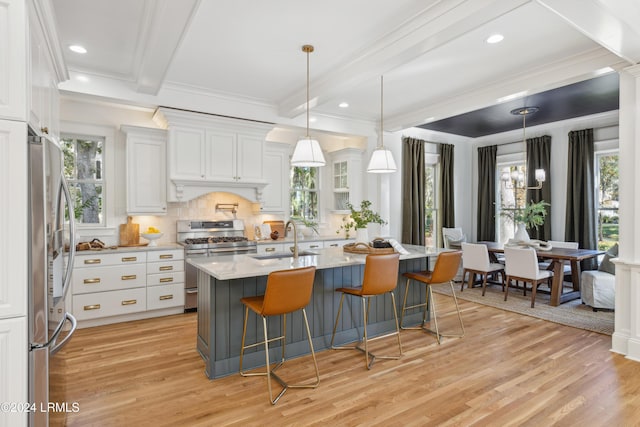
(277, 255)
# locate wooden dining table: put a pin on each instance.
(557, 258)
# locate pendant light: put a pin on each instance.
(307, 152)
(381, 158)
(540, 174)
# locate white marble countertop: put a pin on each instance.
(109, 250)
(228, 267)
(289, 239)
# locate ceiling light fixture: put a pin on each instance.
(495, 38)
(381, 158)
(307, 152)
(343, 105)
(77, 48)
(540, 174)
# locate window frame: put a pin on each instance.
(597, 156)
(110, 146)
(432, 161)
(506, 161)
(317, 189)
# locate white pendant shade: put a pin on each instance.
(381, 161)
(307, 153)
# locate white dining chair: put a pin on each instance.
(475, 260)
(522, 264)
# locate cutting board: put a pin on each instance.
(276, 226)
(129, 233)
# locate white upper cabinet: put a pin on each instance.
(346, 178)
(210, 153)
(47, 70)
(275, 197)
(13, 60)
(146, 170)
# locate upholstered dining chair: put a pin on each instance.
(286, 291)
(444, 271)
(522, 264)
(380, 278)
(475, 260)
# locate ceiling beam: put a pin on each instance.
(162, 29)
(436, 25)
(610, 23)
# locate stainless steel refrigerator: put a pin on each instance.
(51, 226)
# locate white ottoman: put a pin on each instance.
(598, 289)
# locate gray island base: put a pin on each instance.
(222, 281)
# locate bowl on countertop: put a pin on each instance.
(152, 237)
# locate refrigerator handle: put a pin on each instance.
(53, 350)
(72, 236)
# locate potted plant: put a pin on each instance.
(359, 219)
(309, 226)
(532, 215)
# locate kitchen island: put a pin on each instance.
(223, 280)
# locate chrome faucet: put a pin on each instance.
(295, 236)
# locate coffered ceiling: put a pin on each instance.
(243, 57)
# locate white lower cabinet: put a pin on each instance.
(121, 286)
(165, 279)
(305, 246)
(113, 303)
(13, 369)
(337, 243)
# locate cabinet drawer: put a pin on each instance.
(303, 246)
(110, 278)
(165, 267)
(267, 249)
(168, 255)
(165, 278)
(337, 243)
(124, 258)
(165, 296)
(103, 304)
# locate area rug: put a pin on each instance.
(572, 313)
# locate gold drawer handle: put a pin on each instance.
(270, 250)
(92, 261)
(169, 256)
(129, 277)
(166, 279)
(314, 246)
(166, 268)
(164, 297)
(92, 307)
(335, 245)
(130, 302)
(90, 281)
(129, 258)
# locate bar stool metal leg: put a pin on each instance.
(425, 304)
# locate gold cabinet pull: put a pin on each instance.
(129, 277)
(270, 250)
(92, 307)
(129, 258)
(335, 245)
(166, 268)
(90, 281)
(166, 256)
(164, 297)
(166, 279)
(93, 261)
(130, 302)
(314, 246)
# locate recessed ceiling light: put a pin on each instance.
(82, 78)
(495, 38)
(429, 119)
(312, 119)
(77, 48)
(343, 105)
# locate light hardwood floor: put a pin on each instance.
(509, 369)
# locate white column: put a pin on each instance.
(626, 338)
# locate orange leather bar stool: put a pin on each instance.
(287, 291)
(380, 277)
(444, 271)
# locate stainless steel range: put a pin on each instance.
(206, 238)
